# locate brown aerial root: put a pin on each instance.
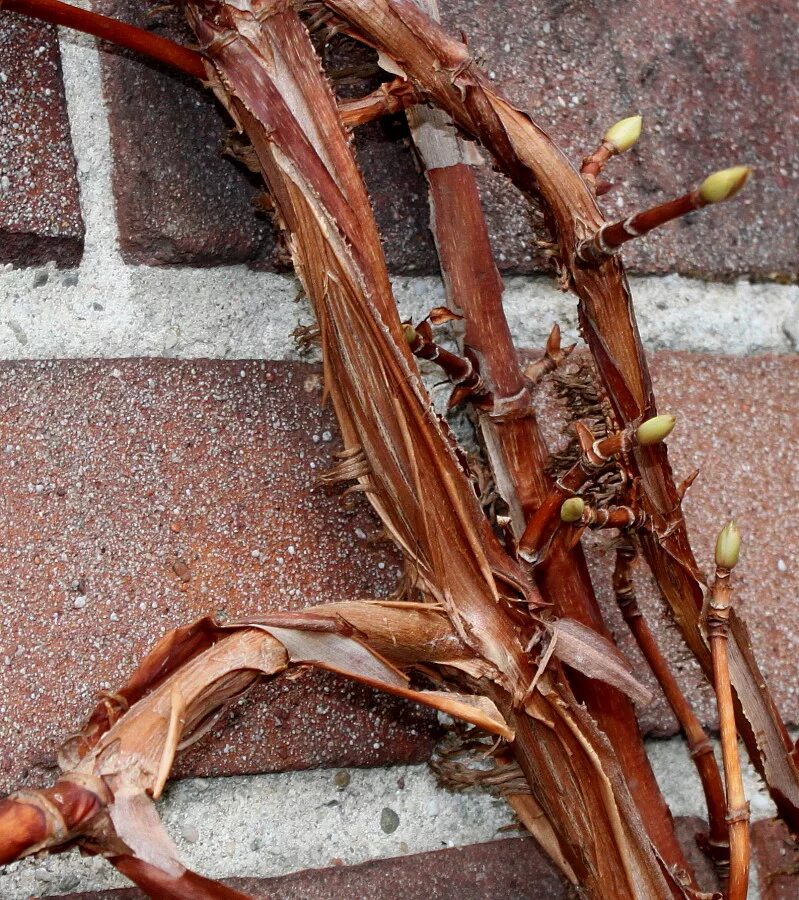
(717, 616)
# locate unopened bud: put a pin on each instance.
(624, 134)
(728, 546)
(724, 184)
(572, 509)
(410, 332)
(655, 430)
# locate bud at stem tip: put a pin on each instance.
(409, 332)
(724, 184)
(572, 509)
(728, 546)
(624, 134)
(655, 430)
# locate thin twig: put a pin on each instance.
(717, 619)
(699, 746)
(390, 98)
(130, 37)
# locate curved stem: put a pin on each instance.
(160, 49)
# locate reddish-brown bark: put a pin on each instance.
(442, 67)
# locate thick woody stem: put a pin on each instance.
(516, 447)
(718, 614)
(699, 746)
(444, 69)
(137, 39)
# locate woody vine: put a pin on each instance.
(498, 624)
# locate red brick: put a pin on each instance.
(776, 858)
(513, 869)
(161, 490)
(737, 423)
(178, 200)
(714, 83)
(40, 216)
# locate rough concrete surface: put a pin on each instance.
(272, 824)
(268, 825)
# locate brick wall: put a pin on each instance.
(137, 493)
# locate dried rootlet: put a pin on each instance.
(497, 623)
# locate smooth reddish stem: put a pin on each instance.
(187, 886)
(24, 826)
(699, 745)
(595, 163)
(137, 39)
(610, 237)
(389, 98)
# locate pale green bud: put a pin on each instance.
(728, 546)
(724, 184)
(572, 509)
(655, 430)
(410, 332)
(625, 133)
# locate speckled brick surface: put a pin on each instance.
(776, 857)
(137, 495)
(513, 869)
(40, 216)
(713, 81)
(178, 200)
